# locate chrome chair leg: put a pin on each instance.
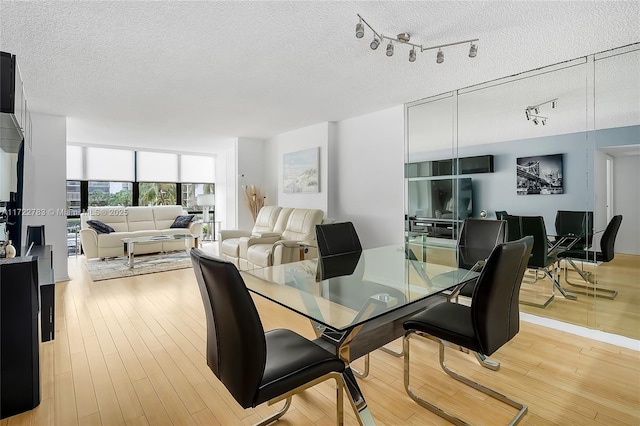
(275, 416)
(486, 362)
(392, 352)
(522, 409)
(589, 290)
(365, 373)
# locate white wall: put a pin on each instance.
(361, 172)
(626, 175)
(367, 172)
(45, 189)
(250, 171)
(8, 179)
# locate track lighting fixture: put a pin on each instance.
(404, 38)
(375, 43)
(390, 49)
(473, 50)
(533, 111)
(359, 29)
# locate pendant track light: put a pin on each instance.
(390, 49)
(404, 38)
(533, 111)
(375, 43)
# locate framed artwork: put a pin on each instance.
(301, 172)
(539, 175)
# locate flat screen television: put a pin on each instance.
(448, 198)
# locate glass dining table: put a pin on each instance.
(357, 302)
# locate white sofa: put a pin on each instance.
(276, 238)
(129, 222)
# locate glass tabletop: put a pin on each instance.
(158, 238)
(343, 291)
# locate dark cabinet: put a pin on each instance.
(27, 287)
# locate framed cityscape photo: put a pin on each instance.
(541, 174)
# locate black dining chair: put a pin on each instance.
(255, 366)
(500, 214)
(607, 253)
(339, 249)
(337, 238)
(477, 238)
(35, 235)
(576, 224)
(513, 227)
(541, 259)
(491, 321)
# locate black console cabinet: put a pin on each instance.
(19, 345)
(26, 286)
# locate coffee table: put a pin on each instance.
(131, 242)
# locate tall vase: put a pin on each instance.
(10, 250)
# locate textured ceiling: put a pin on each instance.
(186, 75)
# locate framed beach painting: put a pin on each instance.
(301, 172)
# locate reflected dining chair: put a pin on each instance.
(577, 224)
(255, 366)
(491, 321)
(35, 235)
(541, 259)
(607, 253)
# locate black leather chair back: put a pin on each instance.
(494, 308)
(500, 214)
(479, 234)
(608, 241)
(236, 346)
(337, 238)
(513, 227)
(578, 223)
(35, 235)
(534, 226)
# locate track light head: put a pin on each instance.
(440, 57)
(554, 104)
(535, 121)
(473, 51)
(527, 114)
(412, 55)
(374, 43)
(359, 30)
(544, 121)
(536, 110)
(390, 49)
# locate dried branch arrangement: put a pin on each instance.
(255, 199)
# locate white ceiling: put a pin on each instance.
(186, 75)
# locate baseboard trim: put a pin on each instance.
(601, 336)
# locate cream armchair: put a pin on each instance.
(298, 233)
(229, 240)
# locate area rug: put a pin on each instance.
(117, 267)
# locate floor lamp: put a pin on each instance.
(206, 201)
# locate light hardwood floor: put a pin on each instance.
(131, 351)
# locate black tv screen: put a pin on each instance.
(450, 198)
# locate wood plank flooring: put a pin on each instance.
(132, 351)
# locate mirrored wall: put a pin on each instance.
(561, 143)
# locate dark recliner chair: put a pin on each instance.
(607, 245)
(491, 321)
(541, 259)
(255, 366)
(35, 235)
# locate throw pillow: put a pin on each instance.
(99, 227)
(182, 221)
